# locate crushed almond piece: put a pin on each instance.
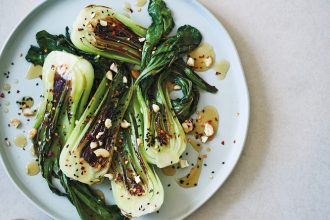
(124, 79)
(208, 61)
(102, 153)
(204, 139)
(187, 126)
(142, 39)
(124, 124)
(208, 129)
(93, 145)
(109, 75)
(29, 113)
(32, 133)
(191, 62)
(114, 67)
(177, 87)
(183, 163)
(155, 107)
(108, 123)
(15, 122)
(103, 23)
(137, 179)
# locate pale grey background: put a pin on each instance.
(284, 172)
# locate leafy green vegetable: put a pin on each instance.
(68, 81)
(48, 43)
(136, 187)
(102, 31)
(96, 131)
(181, 67)
(186, 39)
(186, 105)
(162, 24)
(164, 137)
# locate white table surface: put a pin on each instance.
(284, 172)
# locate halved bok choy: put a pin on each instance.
(87, 154)
(136, 188)
(68, 80)
(102, 31)
(164, 138)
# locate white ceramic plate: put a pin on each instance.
(231, 99)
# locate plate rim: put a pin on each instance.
(230, 170)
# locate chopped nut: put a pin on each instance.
(183, 163)
(191, 61)
(187, 126)
(135, 73)
(93, 15)
(109, 75)
(208, 129)
(100, 143)
(139, 141)
(124, 79)
(142, 39)
(126, 162)
(108, 123)
(103, 23)
(98, 136)
(208, 61)
(114, 67)
(125, 124)
(102, 153)
(204, 139)
(32, 133)
(93, 145)
(109, 176)
(155, 108)
(177, 87)
(15, 122)
(137, 179)
(28, 113)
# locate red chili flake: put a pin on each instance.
(2, 95)
(223, 142)
(234, 141)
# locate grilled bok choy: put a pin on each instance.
(136, 187)
(87, 154)
(102, 31)
(67, 81)
(164, 138)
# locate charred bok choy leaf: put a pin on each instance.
(186, 39)
(136, 187)
(162, 24)
(102, 31)
(87, 154)
(184, 104)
